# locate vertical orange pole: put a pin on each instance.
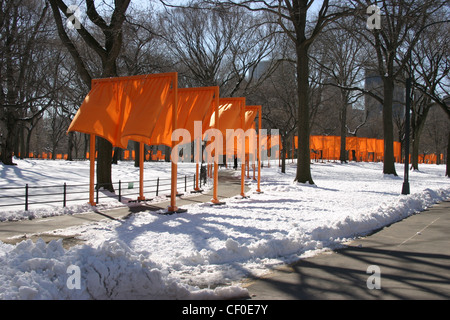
(254, 167)
(91, 169)
(242, 153)
(173, 187)
(141, 172)
(216, 152)
(197, 157)
(247, 160)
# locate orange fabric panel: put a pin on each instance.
(229, 114)
(140, 108)
(152, 124)
(380, 146)
(362, 145)
(317, 142)
(361, 148)
(229, 117)
(330, 144)
(397, 151)
(194, 104)
(97, 113)
(119, 109)
(350, 143)
(249, 121)
(371, 145)
(250, 145)
(336, 147)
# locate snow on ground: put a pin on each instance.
(49, 177)
(151, 256)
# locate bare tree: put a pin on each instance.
(297, 21)
(278, 94)
(342, 58)
(144, 51)
(214, 45)
(401, 25)
(431, 66)
(106, 45)
(23, 95)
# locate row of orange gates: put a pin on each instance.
(152, 110)
(322, 148)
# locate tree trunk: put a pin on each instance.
(388, 127)
(70, 146)
(415, 153)
(167, 151)
(117, 155)
(8, 142)
(22, 154)
(136, 153)
(343, 154)
(303, 156)
(285, 143)
(419, 122)
(104, 164)
(86, 145)
(28, 140)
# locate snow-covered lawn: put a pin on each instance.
(47, 177)
(155, 256)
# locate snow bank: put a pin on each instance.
(112, 271)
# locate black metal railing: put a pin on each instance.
(29, 195)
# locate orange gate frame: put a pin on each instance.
(257, 109)
(134, 108)
(124, 108)
(232, 116)
(147, 109)
(330, 146)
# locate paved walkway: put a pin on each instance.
(413, 257)
(16, 231)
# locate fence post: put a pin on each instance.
(26, 197)
(185, 183)
(120, 191)
(157, 186)
(64, 199)
(96, 200)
